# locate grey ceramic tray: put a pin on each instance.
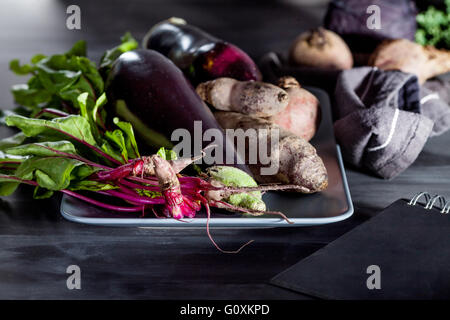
(332, 205)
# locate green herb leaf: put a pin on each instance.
(116, 137)
(82, 172)
(52, 173)
(37, 57)
(72, 125)
(14, 66)
(58, 79)
(130, 140)
(96, 114)
(7, 186)
(127, 43)
(90, 185)
(148, 193)
(82, 103)
(167, 154)
(43, 149)
(231, 176)
(432, 27)
(41, 193)
(31, 96)
(78, 49)
(12, 141)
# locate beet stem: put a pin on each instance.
(97, 150)
(149, 180)
(272, 187)
(136, 198)
(30, 182)
(139, 186)
(55, 112)
(76, 157)
(101, 204)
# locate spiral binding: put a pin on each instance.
(431, 201)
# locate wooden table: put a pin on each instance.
(37, 244)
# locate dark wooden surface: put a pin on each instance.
(37, 244)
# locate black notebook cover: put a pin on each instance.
(409, 244)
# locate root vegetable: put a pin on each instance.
(229, 188)
(299, 163)
(145, 166)
(177, 205)
(247, 97)
(229, 176)
(322, 49)
(302, 114)
(180, 196)
(407, 56)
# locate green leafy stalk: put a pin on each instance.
(128, 43)
(57, 80)
(233, 177)
(61, 153)
(433, 27)
(73, 127)
(50, 173)
(167, 154)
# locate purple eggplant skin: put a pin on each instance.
(157, 93)
(200, 55)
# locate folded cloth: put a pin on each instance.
(350, 19)
(435, 108)
(440, 85)
(380, 125)
(383, 118)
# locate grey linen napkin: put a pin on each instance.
(380, 125)
(440, 85)
(436, 108)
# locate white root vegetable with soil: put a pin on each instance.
(297, 120)
(321, 48)
(299, 163)
(288, 105)
(400, 54)
(247, 97)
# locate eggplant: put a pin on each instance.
(148, 90)
(200, 55)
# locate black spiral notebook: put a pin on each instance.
(401, 253)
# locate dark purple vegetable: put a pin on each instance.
(349, 19)
(148, 90)
(201, 56)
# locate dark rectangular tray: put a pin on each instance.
(332, 205)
